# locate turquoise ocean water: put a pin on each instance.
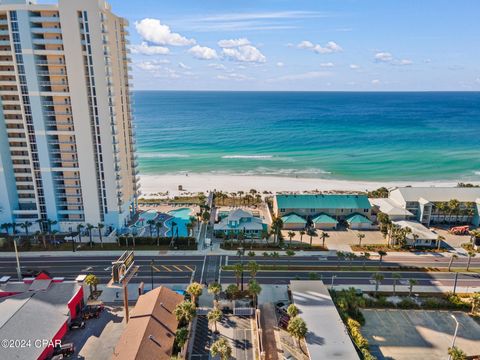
(340, 135)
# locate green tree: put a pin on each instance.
(185, 312)
(471, 254)
(253, 268)
(221, 348)
(238, 270)
(475, 302)
(311, 233)
(92, 281)
(215, 289)
(25, 226)
(453, 257)
(377, 277)
(158, 226)
(291, 234)
(6, 227)
(181, 336)
(195, 290)
(277, 226)
(292, 310)
(150, 224)
(232, 291)
(360, 237)
(365, 257)
(395, 277)
(324, 235)
(90, 227)
(302, 232)
(79, 230)
(100, 227)
(214, 316)
(411, 284)
(381, 253)
(297, 328)
(457, 353)
(254, 290)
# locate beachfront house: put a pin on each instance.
(240, 221)
(323, 211)
(437, 205)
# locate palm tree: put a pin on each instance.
(100, 226)
(238, 270)
(411, 284)
(254, 289)
(253, 268)
(292, 311)
(54, 234)
(302, 232)
(150, 224)
(471, 254)
(79, 229)
(324, 236)
(215, 288)
(222, 348)
(291, 234)
(26, 226)
(158, 226)
(181, 336)
(311, 233)
(92, 281)
(454, 256)
(90, 227)
(340, 256)
(195, 290)
(395, 277)
(365, 257)
(377, 277)
(475, 302)
(6, 227)
(185, 312)
(50, 223)
(277, 226)
(360, 237)
(382, 254)
(297, 328)
(214, 316)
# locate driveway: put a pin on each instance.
(418, 334)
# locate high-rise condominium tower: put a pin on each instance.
(67, 147)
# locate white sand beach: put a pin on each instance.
(152, 184)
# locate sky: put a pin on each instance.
(325, 45)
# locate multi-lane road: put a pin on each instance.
(170, 269)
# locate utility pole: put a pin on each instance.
(151, 271)
(19, 271)
(455, 283)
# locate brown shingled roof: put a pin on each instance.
(150, 333)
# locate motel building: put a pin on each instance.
(38, 311)
(323, 211)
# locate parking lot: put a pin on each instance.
(236, 329)
(99, 337)
(418, 334)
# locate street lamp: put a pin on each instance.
(454, 334)
(19, 271)
(241, 251)
(333, 278)
(73, 239)
(151, 270)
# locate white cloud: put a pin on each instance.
(153, 31)
(387, 57)
(233, 43)
(328, 64)
(376, 82)
(329, 48)
(149, 65)
(217, 66)
(233, 76)
(183, 66)
(146, 49)
(246, 53)
(280, 64)
(303, 76)
(203, 52)
(354, 66)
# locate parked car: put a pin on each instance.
(64, 349)
(91, 311)
(77, 323)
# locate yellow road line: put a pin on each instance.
(176, 267)
(188, 267)
(166, 268)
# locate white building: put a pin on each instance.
(67, 148)
(438, 204)
(240, 221)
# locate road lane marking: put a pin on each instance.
(176, 267)
(188, 267)
(166, 268)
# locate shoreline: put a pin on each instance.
(195, 182)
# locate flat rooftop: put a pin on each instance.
(327, 336)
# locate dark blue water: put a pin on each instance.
(361, 136)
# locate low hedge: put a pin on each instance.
(180, 242)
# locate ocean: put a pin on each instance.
(366, 136)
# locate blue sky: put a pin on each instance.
(304, 44)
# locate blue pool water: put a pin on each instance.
(145, 216)
(181, 217)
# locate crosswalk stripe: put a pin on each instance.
(166, 268)
(176, 267)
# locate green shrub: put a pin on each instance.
(407, 304)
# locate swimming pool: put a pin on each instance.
(181, 217)
(145, 216)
